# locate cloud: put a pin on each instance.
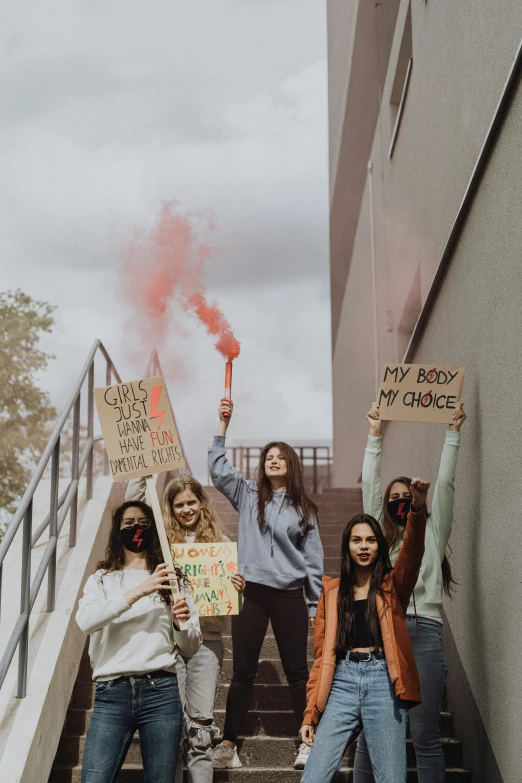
(114, 108)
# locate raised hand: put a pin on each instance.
(179, 609)
(459, 417)
(374, 420)
(161, 579)
(419, 491)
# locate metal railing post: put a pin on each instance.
(25, 594)
(53, 526)
(75, 470)
(315, 469)
(90, 425)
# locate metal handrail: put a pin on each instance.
(59, 507)
(320, 456)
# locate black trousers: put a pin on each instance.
(286, 609)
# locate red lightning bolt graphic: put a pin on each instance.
(154, 402)
(137, 536)
(400, 511)
(229, 607)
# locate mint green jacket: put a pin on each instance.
(428, 590)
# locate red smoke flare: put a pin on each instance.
(166, 264)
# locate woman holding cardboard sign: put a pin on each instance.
(132, 618)
(424, 618)
(189, 517)
(280, 553)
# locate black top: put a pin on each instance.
(359, 636)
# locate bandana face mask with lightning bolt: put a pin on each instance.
(136, 538)
(399, 509)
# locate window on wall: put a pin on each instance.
(401, 82)
(410, 314)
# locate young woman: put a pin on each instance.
(424, 618)
(364, 673)
(189, 516)
(129, 613)
(280, 553)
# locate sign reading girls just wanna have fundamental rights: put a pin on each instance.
(138, 428)
(420, 392)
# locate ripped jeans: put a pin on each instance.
(198, 679)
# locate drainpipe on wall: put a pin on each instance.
(374, 278)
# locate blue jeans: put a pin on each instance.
(149, 704)
(428, 648)
(361, 696)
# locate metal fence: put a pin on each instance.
(59, 507)
(316, 462)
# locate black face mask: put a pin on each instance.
(399, 509)
(136, 538)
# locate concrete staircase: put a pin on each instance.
(269, 744)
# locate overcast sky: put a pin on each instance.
(111, 108)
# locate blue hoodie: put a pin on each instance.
(279, 555)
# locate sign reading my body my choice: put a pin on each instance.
(420, 392)
(138, 428)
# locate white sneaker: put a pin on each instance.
(225, 757)
(302, 756)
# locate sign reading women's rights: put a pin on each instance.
(138, 428)
(420, 392)
(208, 567)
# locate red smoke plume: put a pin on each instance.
(165, 265)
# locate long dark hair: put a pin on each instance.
(114, 559)
(296, 494)
(393, 535)
(345, 600)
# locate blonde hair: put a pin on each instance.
(208, 528)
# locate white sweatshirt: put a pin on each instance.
(131, 639)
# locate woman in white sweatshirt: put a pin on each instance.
(129, 613)
(424, 619)
(189, 517)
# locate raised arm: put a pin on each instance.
(95, 610)
(314, 558)
(224, 475)
(371, 471)
(137, 490)
(444, 494)
(409, 560)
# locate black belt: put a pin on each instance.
(366, 656)
(152, 675)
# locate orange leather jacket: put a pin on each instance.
(392, 616)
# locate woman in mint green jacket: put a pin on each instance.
(424, 619)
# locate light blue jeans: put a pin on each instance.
(198, 679)
(428, 648)
(361, 696)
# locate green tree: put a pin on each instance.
(25, 410)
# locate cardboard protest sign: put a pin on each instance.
(208, 567)
(420, 392)
(138, 428)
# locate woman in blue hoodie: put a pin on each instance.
(279, 554)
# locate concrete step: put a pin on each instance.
(133, 773)
(278, 723)
(269, 649)
(269, 672)
(253, 751)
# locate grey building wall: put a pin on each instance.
(462, 52)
